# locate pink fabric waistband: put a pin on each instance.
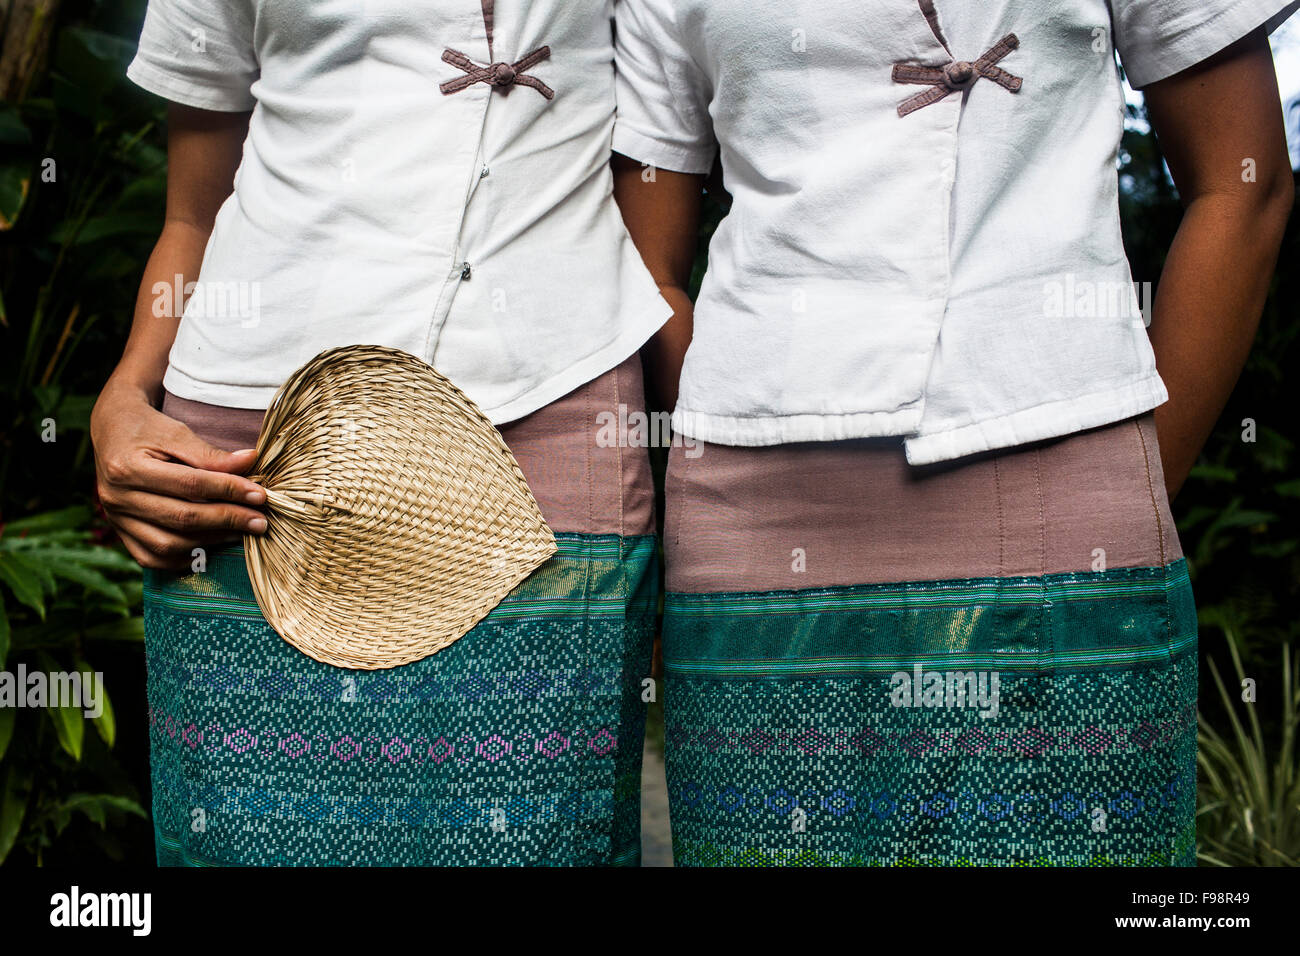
(582, 485)
(841, 513)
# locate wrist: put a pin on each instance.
(129, 385)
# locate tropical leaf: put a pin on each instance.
(75, 517)
(95, 556)
(87, 577)
(13, 807)
(5, 632)
(96, 807)
(105, 724)
(66, 716)
(8, 717)
(15, 182)
(13, 131)
(130, 629)
(24, 579)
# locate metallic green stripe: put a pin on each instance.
(987, 592)
(554, 590)
(849, 665)
(1122, 618)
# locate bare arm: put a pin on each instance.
(1216, 121)
(663, 218)
(164, 489)
(203, 152)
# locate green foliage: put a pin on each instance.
(1248, 805)
(82, 179)
(62, 597)
(82, 184)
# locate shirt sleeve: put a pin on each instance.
(199, 53)
(1158, 38)
(663, 95)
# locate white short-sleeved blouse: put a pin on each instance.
(925, 237)
(430, 175)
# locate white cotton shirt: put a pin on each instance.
(954, 275)
(475, 229)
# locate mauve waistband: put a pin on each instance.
(582, 485)
(791, 517)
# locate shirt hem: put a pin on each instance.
(1039, 423)
(539, 396)
(789, 429)
(1050, 420)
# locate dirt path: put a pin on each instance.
(656, 840)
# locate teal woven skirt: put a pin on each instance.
(992, 663)
(519, 744)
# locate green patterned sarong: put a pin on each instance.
(518, 744)
(1028, 721)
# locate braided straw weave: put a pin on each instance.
(397, 517)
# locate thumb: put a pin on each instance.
(189, 448)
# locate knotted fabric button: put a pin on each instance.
(503, 74)
(958, 75)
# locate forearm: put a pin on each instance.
(1211, 294)
(1220, 127)
(662, 213)
(666, 350)
(158, 307)
(166, 490)
(203, 151)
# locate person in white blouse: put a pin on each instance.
(430, 176)
(926, 602)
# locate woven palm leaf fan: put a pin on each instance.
(397, 517)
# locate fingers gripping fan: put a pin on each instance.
(397, 517)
